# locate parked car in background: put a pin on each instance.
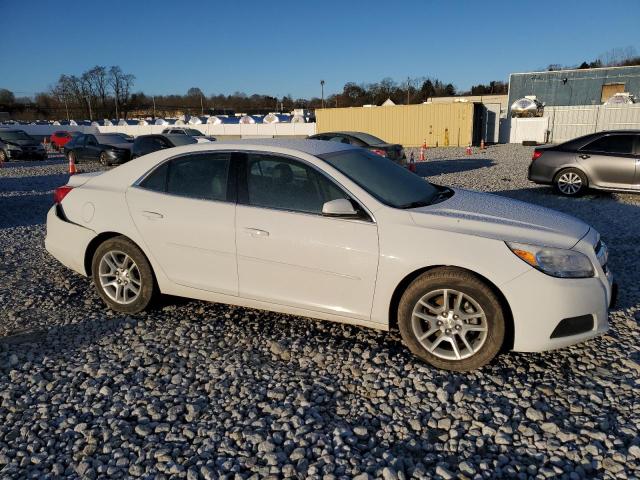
(107, 148)
(191, 132)
(392, 151)
(145, 144)
(608, 160)
(334, 232)
(17, 144)
(60, 138)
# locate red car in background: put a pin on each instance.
(60, 138)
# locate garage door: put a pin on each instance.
(610, 89)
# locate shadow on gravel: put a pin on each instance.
(34, 163)
(41, 183)
(24, 210)
(615, 220)
(18, 209)
(454, 165)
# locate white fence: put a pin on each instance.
(566, 123)
(234, 130)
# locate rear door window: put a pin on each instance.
(203, 176)
(612, 144)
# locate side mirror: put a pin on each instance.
(340, 207)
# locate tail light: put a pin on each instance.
(61, 192)
(536, 154)
(377, 151)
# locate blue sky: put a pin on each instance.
(286, 47)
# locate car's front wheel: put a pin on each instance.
(123, 276)
(104, 160)
(451, 319)
(570, 182)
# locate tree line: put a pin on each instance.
(108, 92)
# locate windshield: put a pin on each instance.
(194, 133)
(368, 139)
(12, 136)
(385, 180)
(112, 138)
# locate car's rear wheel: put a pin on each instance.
(122, 275)
(104, 160)
(570, 182)
(451, 319)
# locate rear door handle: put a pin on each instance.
(256, 232)
(585, 156)
(152, 215)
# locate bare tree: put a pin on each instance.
(121, 84)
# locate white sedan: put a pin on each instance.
(330, 231)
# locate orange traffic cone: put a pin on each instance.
(72, 165)
(482, 146)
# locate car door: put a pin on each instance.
(610, 160)
(185, 212)
(78, 146)
(289, 253)
(92, 148)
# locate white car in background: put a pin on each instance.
(331, 231)
(191, 132)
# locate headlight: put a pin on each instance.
(556, 262)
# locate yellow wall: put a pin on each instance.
(408, 125)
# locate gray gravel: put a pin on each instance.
(201, 390)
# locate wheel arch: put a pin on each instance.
(406, 281)
(99, 240)
(572, 166)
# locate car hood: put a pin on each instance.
(22, 143)
(121, 146)
(500, 218)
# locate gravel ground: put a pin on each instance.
(201, 390)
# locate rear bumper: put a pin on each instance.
(67, 242)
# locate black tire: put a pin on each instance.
(147, 287)
(472, 288)
(566, 181)
(104, 160)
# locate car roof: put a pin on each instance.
(309, 146)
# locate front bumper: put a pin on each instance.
(25, 154)
(540, 303)
(66, 241)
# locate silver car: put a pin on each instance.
(607, 160)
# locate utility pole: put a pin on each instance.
(154, 106)
(408, 80)
(201, 107)
(322, 91)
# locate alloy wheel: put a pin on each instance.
(119, 277)
(569, 183)
(449, 324)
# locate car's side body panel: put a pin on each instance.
(308, 261)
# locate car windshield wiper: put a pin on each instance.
(437, 197)
(418, 204)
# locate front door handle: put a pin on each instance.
(152, 215)
(256, 232)
(585, 156)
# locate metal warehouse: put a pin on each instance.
(592, 86)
